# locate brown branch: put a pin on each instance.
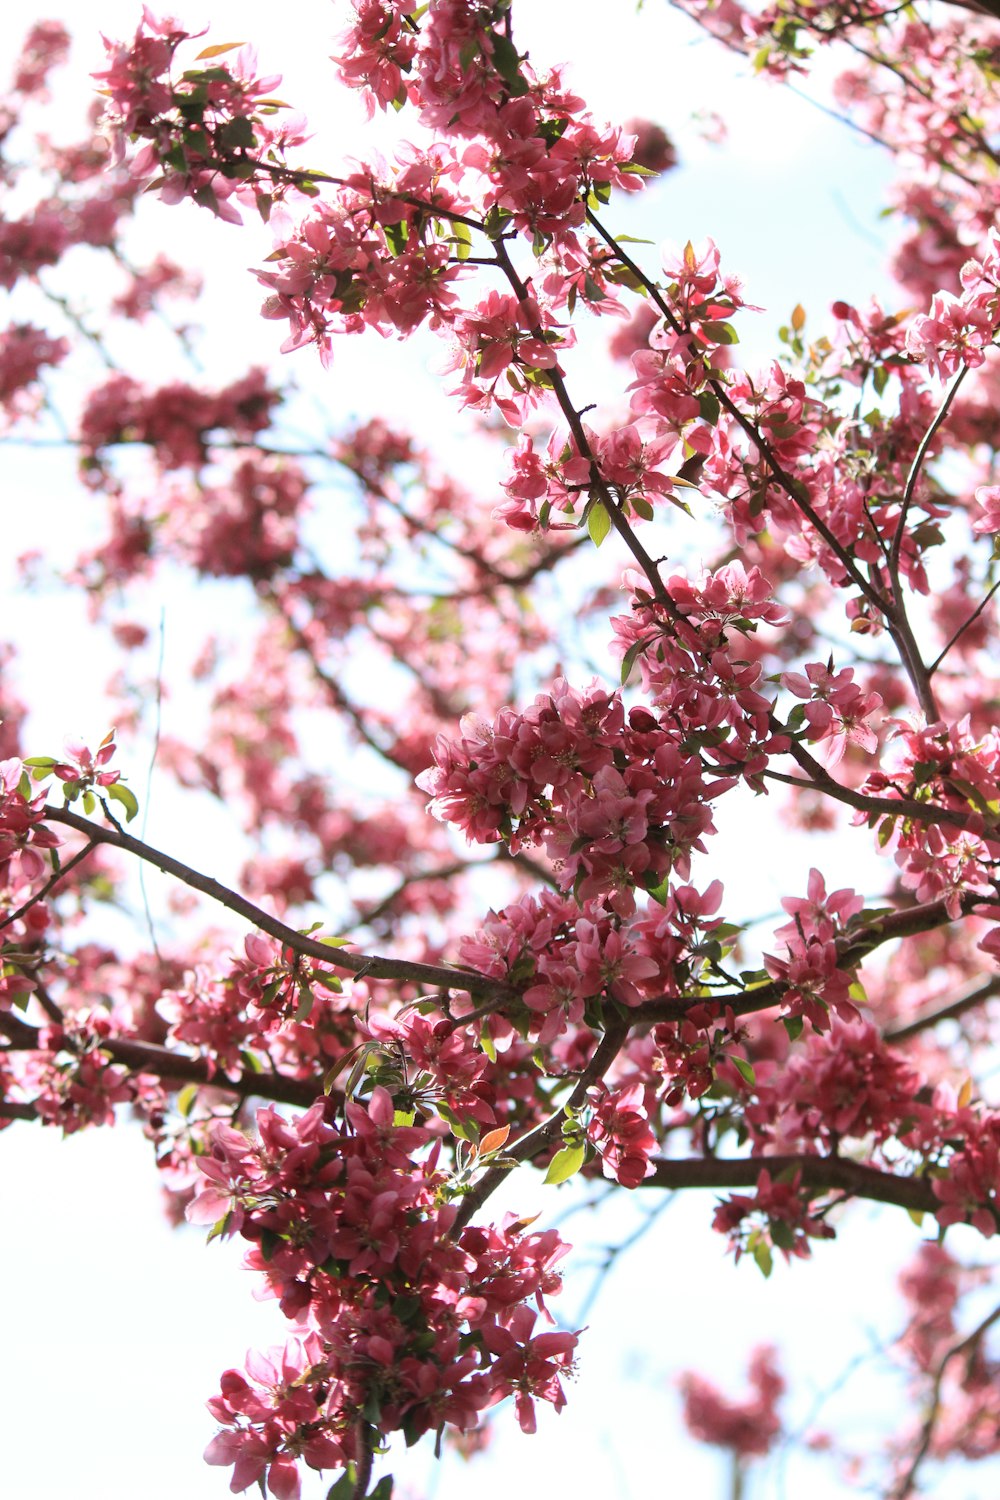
(894, 615)
(784, 480)
(955, 635)
(147, 1057)
(11, 1110)
(548, 1132)
(853, 947)
(897, 807)
(598, 482)
(907, 1482)
(824, 1173)
(53, 880)
(949, 1012)
(368, 915)
(363, 965)
(176, 1067)
(45, 1000)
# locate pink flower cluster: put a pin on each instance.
(936, 1287)
(629, 459)
(617, 803)
(698, 665)
(620, 1130)
(74, 1082)
(747, 1428)
(175, 419)
(205, 132)
(356, 263)
(25, 351)
(969, 1188)
(844, 1084)
(539, 153)
(84, 768)
(400, 1326)
(837, 710)
(946, 766)
(815, 983)
(959, 330)
(24, 842)
(778, 1213)
(271, 1003)
(45, 47)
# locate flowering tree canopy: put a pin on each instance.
(503, 943)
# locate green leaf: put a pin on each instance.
(632, 655)
(507, 62)
(383, 1490)
(396, 236)
(186, 1098)
(793, 1025)
(43, 762)
(598, 522)
(450, 1118)
(463, 241)
(206, 75)
(123, 794)
(709, 408)
(720, 333)
(566, 1163)
(486, 1042)
(745, 1070)
(218, 1228)
(345, 1485)
(237, 135)
(885, 831)
(765, 1260)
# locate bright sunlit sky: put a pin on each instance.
(113, 1327)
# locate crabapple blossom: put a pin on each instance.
(572, 965)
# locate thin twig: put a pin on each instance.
(908, 1481)
(53, 880)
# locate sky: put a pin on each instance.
(114, 1327)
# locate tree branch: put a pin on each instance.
(363, 965)
(853, 947)
(821, 1172)
(175, 1067)
(544, 1135)
(908, 1480)
(949, 1012)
